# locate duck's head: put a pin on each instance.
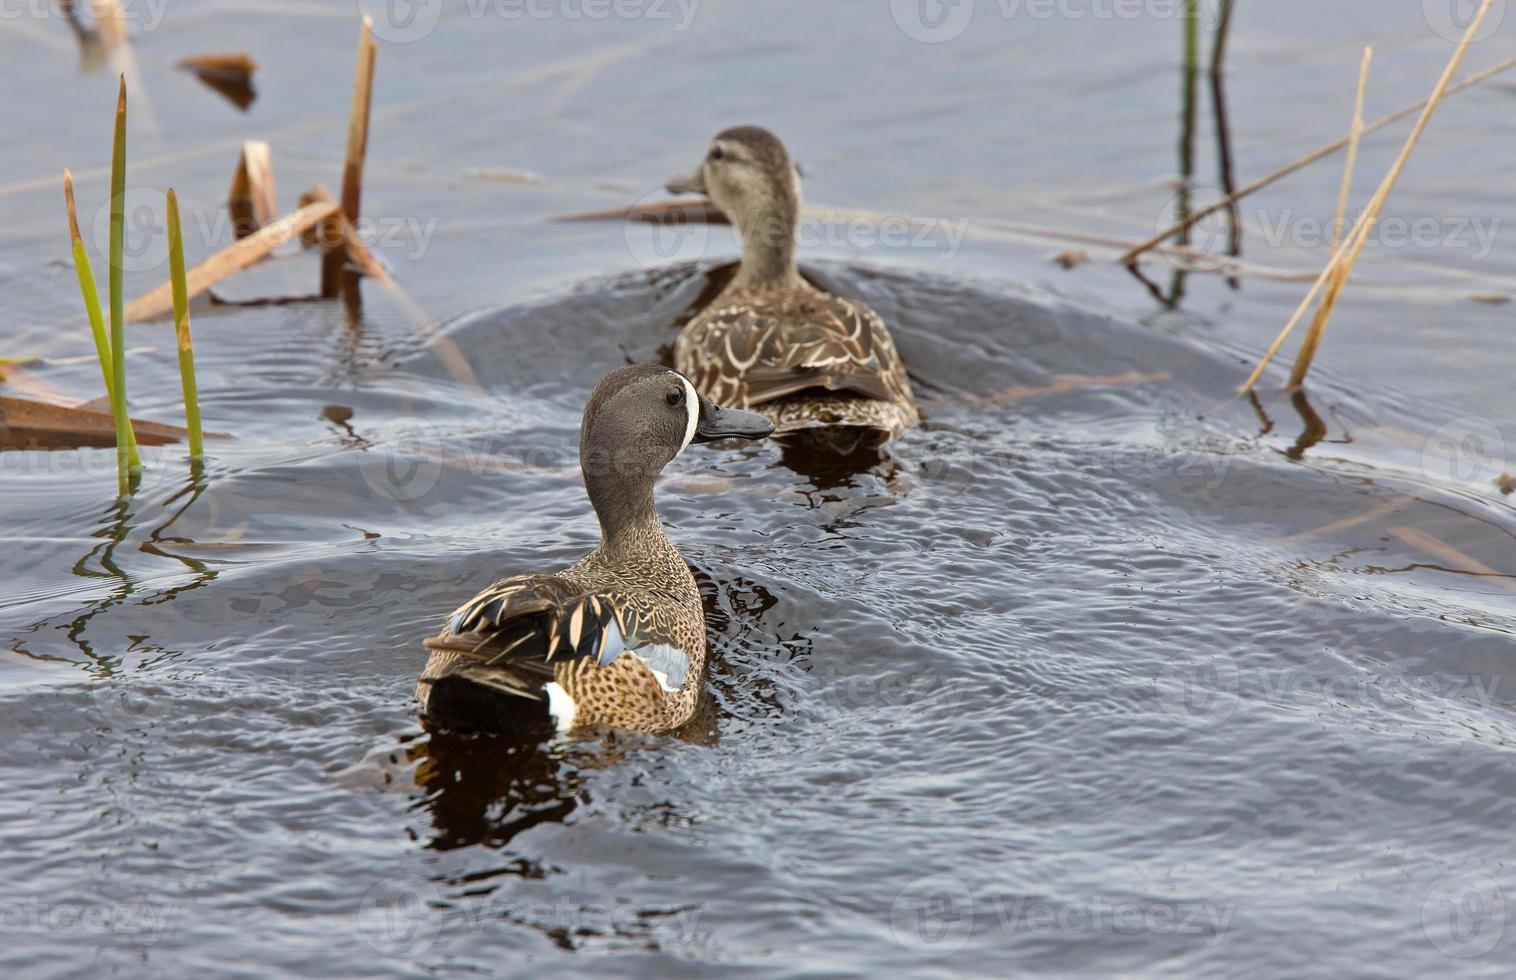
(639, 418)
(748, 174)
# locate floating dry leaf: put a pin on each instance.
(33, 425)
(1507, 483)
(229, 74)
(1073, 257)
(1491, 299)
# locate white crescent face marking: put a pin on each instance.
(691, 402)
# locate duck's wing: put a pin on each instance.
(532, 623)
(513, 638)
(751, 354)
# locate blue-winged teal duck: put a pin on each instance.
(617, 638)
(771, 341)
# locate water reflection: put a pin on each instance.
(486, 790)
(1173, 296)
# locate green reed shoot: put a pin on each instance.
(91, 294)
(128, 462)
(182, 329)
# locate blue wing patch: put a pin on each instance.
(670, 665)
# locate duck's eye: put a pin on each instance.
(675, 395)
(717, 153)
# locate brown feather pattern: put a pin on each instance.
(799, 355)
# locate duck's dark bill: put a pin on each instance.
(730, 423)
(687, 183)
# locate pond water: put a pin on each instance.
(1103, 670)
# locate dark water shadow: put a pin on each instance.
(485, 790)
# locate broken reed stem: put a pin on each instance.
(357, 149)
(1349, 251)
(236, 256)
(1328, 303)
(91, 295)
(338, 234)
(128, 461)
(251, 201)
(1131, 254)
(182, 329)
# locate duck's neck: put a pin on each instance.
(768, 246)
(624, 504)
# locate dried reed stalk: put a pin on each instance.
(1340, 279)
(251, 201)
(1350, 249)
(357, 149)
(233, 258)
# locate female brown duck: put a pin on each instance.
(771, 341)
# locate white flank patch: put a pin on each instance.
(692, 402)
(560, 706)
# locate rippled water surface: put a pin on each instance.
(1103, 670)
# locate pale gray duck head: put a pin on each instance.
(748, 174)
(639, 418)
